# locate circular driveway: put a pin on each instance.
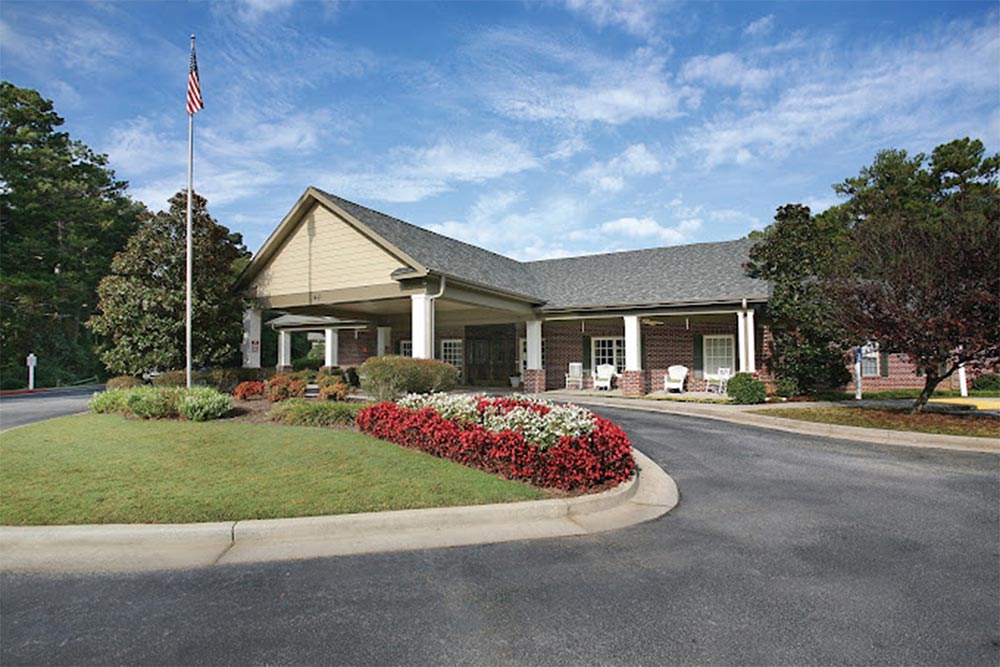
(785, 549)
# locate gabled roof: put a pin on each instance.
(441, 254)
(688, 274)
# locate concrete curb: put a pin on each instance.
(740, 415)
(130, 548)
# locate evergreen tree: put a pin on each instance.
(141, 308)
(63, 216)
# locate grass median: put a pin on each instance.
(90, 468)
(894, 420)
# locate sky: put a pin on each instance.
(533, 129)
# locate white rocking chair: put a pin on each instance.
(674, 379)
(574, 379)
(721, 380)
(603, 376)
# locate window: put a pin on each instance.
(406, 348)
(719, 353)
(453, 352)
(608, 351)
(523, 359)
(869, 359)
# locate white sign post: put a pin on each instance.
(858, 353)
(963, 387)
(32, 362)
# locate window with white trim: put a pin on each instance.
(608, 350)
(869, 359)
(406, 348)
(718, 352)
(523, 361)
(453, 352)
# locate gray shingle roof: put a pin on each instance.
(687, 273)
(702, 272)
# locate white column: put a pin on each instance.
(422, 326)
(251, 338)
(533, 332)
(741, 336)
(330, 348)
(284, 348)
(751, 343)
(383, 341)
(633, 344)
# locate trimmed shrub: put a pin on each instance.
(389, 377)
(745, 389)
(300, 412)
(283, 387)
(987, 382)
(244, 391)
(787, 387)
(152, 402)
(307, 363)
(598, 453)
(123, 382)
(332, 377)
(334, 392)
(204, 403)
(171, 379)
(226, 379)
(306, 376)
(110, 401)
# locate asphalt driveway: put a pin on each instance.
(21, 409)
(785, 549)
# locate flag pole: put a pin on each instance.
(190, 186)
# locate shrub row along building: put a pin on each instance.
(376, 285)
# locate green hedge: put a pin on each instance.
(195, 404)
(302, 412)
(745, 389)
(987, 382)
(389, 377)
(123, 382)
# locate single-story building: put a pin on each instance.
(376, 285)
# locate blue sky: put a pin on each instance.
(534, 129)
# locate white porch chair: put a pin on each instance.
(603, 375)
(574, 379)
(674, 379)
(721, 380)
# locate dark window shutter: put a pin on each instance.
(642, 352)
(883, 364)
(586, 354)
(699, 357)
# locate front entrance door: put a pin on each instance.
(489, 354)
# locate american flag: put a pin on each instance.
(194, 102)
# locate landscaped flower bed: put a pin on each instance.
(518, 437)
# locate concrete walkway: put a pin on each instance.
(130, 548)
(745, 414)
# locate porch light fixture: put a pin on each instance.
(653, 323)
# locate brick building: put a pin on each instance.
(376, 285)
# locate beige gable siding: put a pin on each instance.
(324, 253)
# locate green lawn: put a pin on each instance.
(896, 420)
(107, 469)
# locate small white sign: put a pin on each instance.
(32, 361)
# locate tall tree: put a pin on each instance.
(141, 318)
(63, 216)
(910, 261)
(924, 270)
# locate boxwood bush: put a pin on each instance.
(745, 389)
(389, 377)
(123, 382)
(204, 403)
(301, 412)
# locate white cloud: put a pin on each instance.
(725, 69)
(636, 160)
(532, 76)
(412, 174)
(648, 229)
(252, 11)
(567, 148)
(637, 17)
(761, 27)
(880, 95)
